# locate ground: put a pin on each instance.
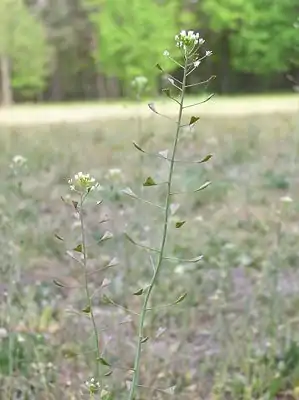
(235, 334)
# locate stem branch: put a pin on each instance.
(135, 381)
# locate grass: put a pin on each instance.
(235, 334)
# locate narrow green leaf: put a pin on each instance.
(129, 192)
(130, 239)
(202, 187)
(108, 373)
(159, 67)
(167, 92)
(149, 182)
(179, 224)
(78, 248)
(205, 159)
(138, 292)
(170, 390)
(103, 362)
(58, 237)
(58, 283)
(138, 147)
(145, 339)
(86, 310)
(152, 108)
(193, 120)
(106, 300)
(107, 235)
(181, 298)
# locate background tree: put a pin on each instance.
(23, 50)
(131, 36)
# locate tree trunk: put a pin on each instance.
(225, 67)
(6, 90)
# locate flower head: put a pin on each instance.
(196, 63)
(18, 162)
(82, 183)
(208, 53)
(139, 82)
(166, 53)
(187, 40)
(92, 385)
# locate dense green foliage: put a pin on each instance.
(98, 46)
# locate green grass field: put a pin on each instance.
(235, 335)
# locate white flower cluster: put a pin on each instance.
(82, 182)
(18, 162)
(139, 82)
(188, 39)
(94, 387)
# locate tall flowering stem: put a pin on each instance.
(83, 184)
(189, 44)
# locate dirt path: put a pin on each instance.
(86, 112)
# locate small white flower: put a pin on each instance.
(92, 385)
(166, 53)
(179, 269)
(114, 173)
(286, 199)
(82, 182)
(139, 82)
(196, 63)
(3, 333)
(208, 53)
(18, 162)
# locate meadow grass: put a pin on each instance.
(234, 336)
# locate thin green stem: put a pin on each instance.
(135, 381)
(87, 291)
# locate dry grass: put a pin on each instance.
(241, 308)
(87, 112)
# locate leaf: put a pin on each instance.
(86, 310)
(167, 92)
(149, 182)
(108, 373)
(179, 224)
(159, 67)
(138, 147)
(103, 362)
(58, 283)
(152, 108)
(58, 237)
(75, 204)
(193, 120)
(196, 259)
(99, 202)
(107, 235)
(202, 187)
(130, 239)
(106, 300)
(164, 153)
(181, 298)
(138, 292)
(129, 192)
(145, 339)
(113, 262)
(206, 158)
(170, 390)
(173, 208)
(78, 248)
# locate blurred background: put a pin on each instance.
(72, 50)
(68, 67)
